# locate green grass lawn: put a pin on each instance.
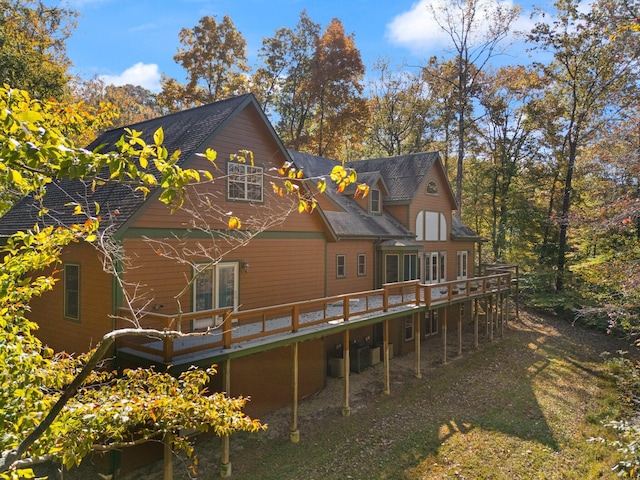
(523, 407)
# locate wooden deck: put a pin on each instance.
(240, 333)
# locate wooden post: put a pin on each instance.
(460, 331)
(226, 329)
(502, 300)
(294, 433)
(167, 350)
(444, 335)
(385, 349)
(417, 332)
(346, 410)
(476, 305)
(491, 317)
(517, 294)
(225, 464)
(167, 461)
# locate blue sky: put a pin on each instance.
(134, 41)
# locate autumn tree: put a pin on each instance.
(340, 109)
(214, 55)
(475, 28)
(281, 82)
(400, 110)
(133, 103)
(587, 69)
(32, 46)
(507, 145)
(313, 84)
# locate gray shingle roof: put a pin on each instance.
(185, 131)
(402, 174)
(351, 220)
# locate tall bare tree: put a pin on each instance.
(476, 28)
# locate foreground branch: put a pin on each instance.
(12, 458)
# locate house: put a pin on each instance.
(290, 298)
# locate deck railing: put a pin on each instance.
(228, 327)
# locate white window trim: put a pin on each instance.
(244, 181)
(462, 265)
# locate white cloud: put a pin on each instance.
(418, 30)
(143, 74)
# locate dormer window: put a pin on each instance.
(432, 188)
(375, 202)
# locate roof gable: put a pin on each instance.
(185, 131)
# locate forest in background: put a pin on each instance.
(543, 156)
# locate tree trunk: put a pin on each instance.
(564, 217)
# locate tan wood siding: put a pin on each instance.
(267, 377)
(280, 271)
(95, 305)
(352, 282)
(245, 131)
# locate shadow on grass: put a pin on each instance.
(516, 390)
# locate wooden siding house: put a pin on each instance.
(294, 304)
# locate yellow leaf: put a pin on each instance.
(234, 223)
(302, 206)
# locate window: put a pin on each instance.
(432, 188)
(362, 264)
(374, 196)
(72, 291)
(431, 226)
(461, 273)
(431, 323)
(244, 182)
(411, 266)
(214, 287)
(392, 268)
(341, 266)
(408, 329)
(435, 267)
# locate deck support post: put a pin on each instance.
(460, 330)
(346, 409)
(225, 464)
(502, 315)
(385, 349)
(417, 332)
(476, 305)
(294, 433)
(444, 335)
(491, 314)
